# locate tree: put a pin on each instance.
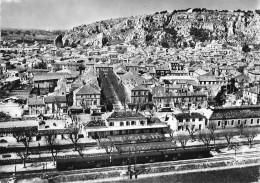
(4, 116)
(38, 90)
(250, 135)
(25, 138)
(103, 109)
(109, 106)
(221, 97)
(23, 155)
(241, 128)
(234, 146)
(231, 87)
(53, 146)
(97, 136)
(137, 108)
(228, 134)
(40, 65)
(192, 131)
(205, 136)
(246, 48)
(108, 146)
(124, 101)
(17, 133)
(119, 149)
(199, 34)
(152, 112)
(212, 127)
(170, 132)
(182, 139)
(74, 137)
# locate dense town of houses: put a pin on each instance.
(162, 88)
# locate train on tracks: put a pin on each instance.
(131, 158)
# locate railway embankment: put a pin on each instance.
(178, 168)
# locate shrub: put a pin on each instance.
(4, 116)
(3, 141)
(200, 34)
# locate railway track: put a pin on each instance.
(54, 172)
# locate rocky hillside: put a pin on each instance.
(181, 28)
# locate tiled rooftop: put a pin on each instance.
(125, 114)
(236, 112)
(189, 115)
(84, 90)
(52, 99)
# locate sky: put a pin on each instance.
(66, 14)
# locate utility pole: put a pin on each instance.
(129, 167)
(135, 170)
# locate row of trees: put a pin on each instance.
(24, 135)
(208, 135)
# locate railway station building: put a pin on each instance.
(123, 123)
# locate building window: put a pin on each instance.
(252, 120)
(132, 122)
(245, 122)
(111, 124)
(193, 120)
(257, 121)
(232, 122)
(142, 122)
(187, 120)
(200, 119)
(127, 123)
(181, 120)
(219, 123)
(238, 122)
(121, 123)
(225, 123)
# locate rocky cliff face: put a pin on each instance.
(170, 29)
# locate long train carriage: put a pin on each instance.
(124, 159)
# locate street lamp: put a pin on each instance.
(129, 166)
(135, 170)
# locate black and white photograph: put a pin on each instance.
(118, 91)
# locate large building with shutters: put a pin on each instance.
(230, 117)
